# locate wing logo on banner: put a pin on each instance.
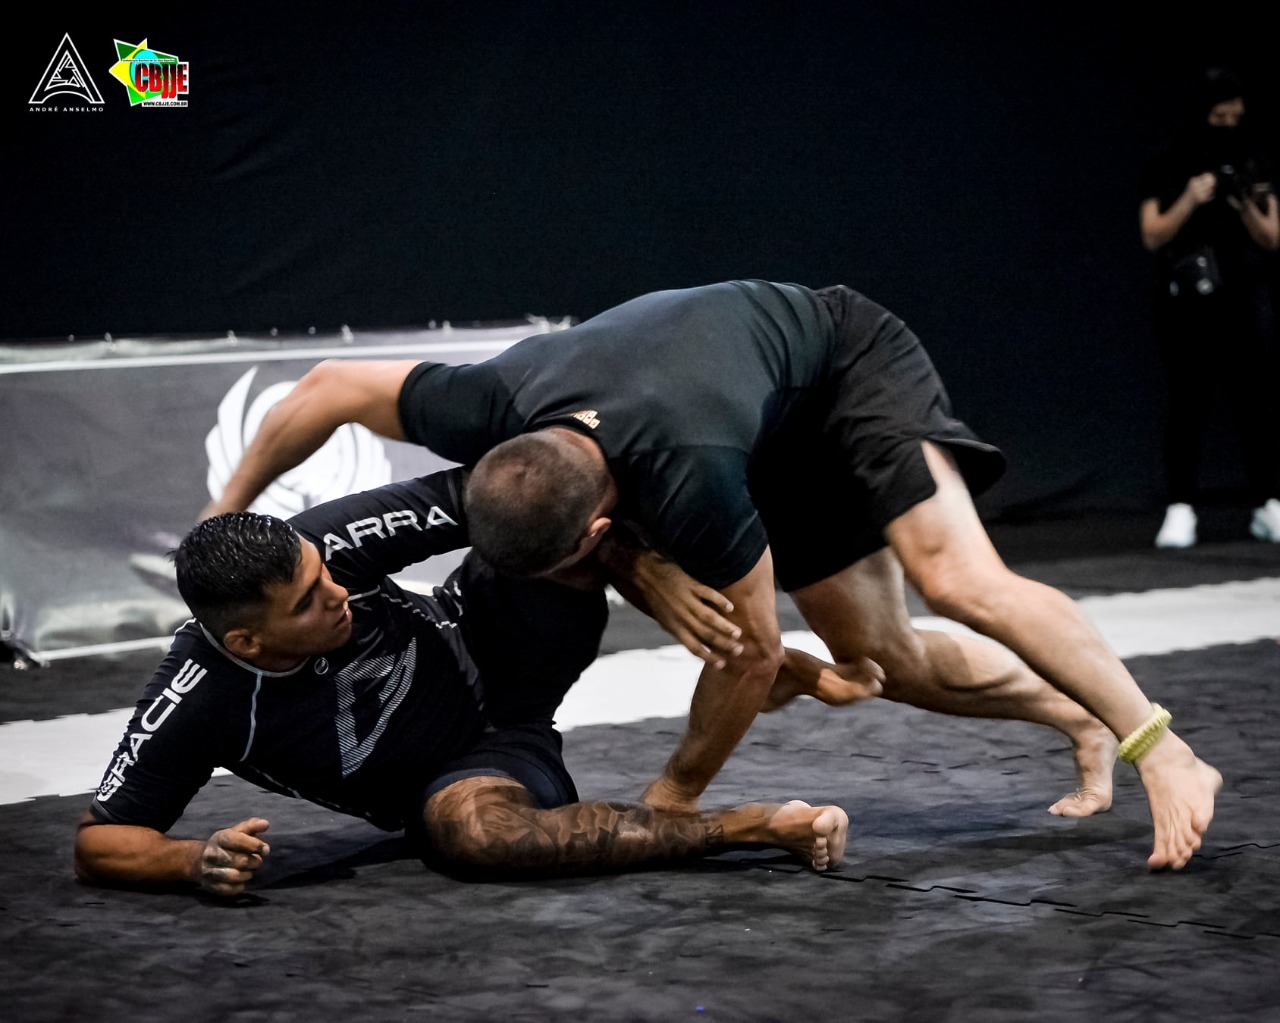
(353, 459)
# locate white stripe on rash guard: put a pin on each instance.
(253, 719)
(394, 677)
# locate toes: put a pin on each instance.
(839, 835)
(1065, 807)
(1161, 858)
(1080, 804)
(1174, 851)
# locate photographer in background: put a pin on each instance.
(1210, 214)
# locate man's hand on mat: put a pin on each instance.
(232, 856)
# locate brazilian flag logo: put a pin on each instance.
(152, 78)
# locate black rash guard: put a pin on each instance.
(359, 729)
(679, 388)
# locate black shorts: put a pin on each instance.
(530, 640)
(850, 461)
(530, 754)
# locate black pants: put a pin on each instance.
(1220, 344)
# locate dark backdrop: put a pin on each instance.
(973, 167)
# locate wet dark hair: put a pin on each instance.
(227, 562)
(529, 502)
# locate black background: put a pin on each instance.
(972, 167)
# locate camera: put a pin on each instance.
(1232, 182)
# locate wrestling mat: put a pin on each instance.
(960, 898)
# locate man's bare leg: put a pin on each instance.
(491, 825)
(802, 674)
(948, 557)
(861, 613)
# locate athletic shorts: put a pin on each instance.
(850, 462)
(530, 640)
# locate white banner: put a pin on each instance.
(112, 449)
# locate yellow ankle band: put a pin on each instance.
(1138, 743)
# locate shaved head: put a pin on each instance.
(531, 500)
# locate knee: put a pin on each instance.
(468, 848)
(762, 654)
(973, 595)
(455, 839)
(769, 660)
(473, 836)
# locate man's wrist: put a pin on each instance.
(666, 793)
(684, 777)
(193, 856)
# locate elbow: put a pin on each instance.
(328, 386)
(82, 861)
(321, 379)
(1149, 227)
(87, 855)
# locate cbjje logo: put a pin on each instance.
(66, 75)
(152, 78)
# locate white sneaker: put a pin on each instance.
(1266, 521)
(1179, 529)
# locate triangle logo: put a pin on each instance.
(66, 75)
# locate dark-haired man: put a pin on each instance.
(749, 428)
(307, 671)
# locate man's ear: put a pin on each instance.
(591, 539)
(243, 643)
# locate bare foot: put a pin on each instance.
(1180, 788)
(1095, 753)
(817, 833)
(803, 674)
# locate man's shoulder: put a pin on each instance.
(460, 411)
(178, 732)
(192, 658)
